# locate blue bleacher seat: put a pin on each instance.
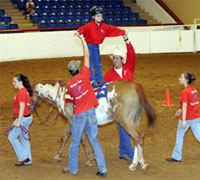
(46, 9)
(60, 23)
(21, 4)
(35, 18)
(55, 2)
(61, 16)
(42, 24)
(142, 21)
(5, 18)
(2, 12)
(46, 2)
(13, 25)
(44, 16)
(51, 24)
(38, 3)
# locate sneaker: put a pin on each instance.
(101, 174)
(67, 171)
(22, 163)
(172, 160)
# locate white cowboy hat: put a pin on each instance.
(117, 52)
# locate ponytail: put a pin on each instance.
(190, 77)
(25, 81)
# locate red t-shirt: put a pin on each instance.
(127, 69)
(22, 96)
(190, 96)
(81, 89)
(96, 34)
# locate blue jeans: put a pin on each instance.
(86, 120)
(95, 63)
(125, 146)
(195, 127)
(22, 148)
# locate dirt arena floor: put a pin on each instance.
(156, 72)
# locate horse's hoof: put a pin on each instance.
(57, 158)
(144, 166)
(89, 164)
(132, 167)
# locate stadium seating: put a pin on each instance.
(6, 22)
(75, 13)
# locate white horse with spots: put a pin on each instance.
(123, 104)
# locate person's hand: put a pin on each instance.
(125, 36)
(76, 34)
(17, 124)
(178, 113)
(183, 124)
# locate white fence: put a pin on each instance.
(154, 39)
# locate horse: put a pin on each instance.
(123, 104)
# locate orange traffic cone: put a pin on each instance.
(168, 99)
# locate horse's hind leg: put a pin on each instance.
(141, 159)
(138, 157)
(64, 138)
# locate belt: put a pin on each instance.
(27, 115)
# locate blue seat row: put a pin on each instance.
(80, 22)
(21, 4)
(6, 22)
(35, 18)
(11, 25)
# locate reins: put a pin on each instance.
(24, 131)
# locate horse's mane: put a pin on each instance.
(52, 82)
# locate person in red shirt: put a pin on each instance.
(190, 116)
(95, 32)
(123, 69)
(80, 89)
(22, 113)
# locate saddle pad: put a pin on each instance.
(103, 90)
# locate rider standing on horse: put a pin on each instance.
(123, 69)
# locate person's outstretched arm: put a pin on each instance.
(85, 50)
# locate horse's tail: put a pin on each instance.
(147, 106)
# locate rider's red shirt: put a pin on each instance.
(95, 34)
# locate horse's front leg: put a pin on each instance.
(87, 150)
(60, 154)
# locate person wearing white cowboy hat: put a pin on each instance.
(123, 69)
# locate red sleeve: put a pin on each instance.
(130, 58)
(21, 97)
(112, 31)
(184, 97)
(82, 29)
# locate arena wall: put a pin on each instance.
(158, 12)
(186, 10)
(37, 45)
